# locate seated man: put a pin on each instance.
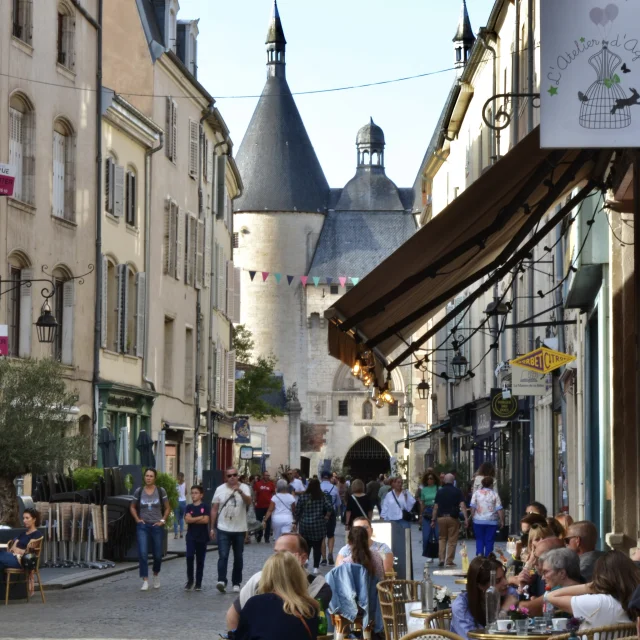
(293, 543)
(582, 538)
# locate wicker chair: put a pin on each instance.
(439, 620)
(393, 595)
(35, 547)
(432, 634)
(604, 633)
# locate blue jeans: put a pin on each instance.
(178, 516)
(8, 561)
(426, 530)
(485, 537)
(227, 540)
(199, 551)
(148, 535)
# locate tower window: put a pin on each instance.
(334, 289)
(367, 410)
(343, 408)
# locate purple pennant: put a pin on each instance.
(252, 275)
(329, 281)
(290, 279)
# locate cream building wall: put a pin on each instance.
(41, 237)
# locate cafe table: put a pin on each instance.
(450, 573)
(511, 635)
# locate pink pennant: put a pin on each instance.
(343, 280)
(304, 279)
(265, 275)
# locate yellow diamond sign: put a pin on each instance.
(543, 360)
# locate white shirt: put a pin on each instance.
(391, 510)
(283, 502)
(297, 485)
(233, 517)
(598, 610)
(182, 492)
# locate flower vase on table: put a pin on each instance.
(520, 618)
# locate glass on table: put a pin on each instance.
(540, 624)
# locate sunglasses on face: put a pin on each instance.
(232, 475)
(568, 539)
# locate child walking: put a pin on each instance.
(197, 517)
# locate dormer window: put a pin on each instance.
(171, 24)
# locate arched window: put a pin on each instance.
(64, 170)
(367, 410)
(62, 307)
(66, 35)
(19, 308)
(375, 157)
(365, 157)
(22, 147)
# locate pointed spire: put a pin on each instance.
(276, 45)
(275, 35)
(464, 33)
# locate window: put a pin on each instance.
(19, 309)
(193, 55)
(349, 286)
(171, 130)
(236, 240)
(62, 306)
(188, 364)
(66, 35)
(21, 147)
(393, 409)
(171, 224)
(343, 408)
(22, 20)
(207, 161)
(334, 289)
(64, 171)
(192, 255)
(367, 410)
(131, 198)
(167, 378)
(194, 131)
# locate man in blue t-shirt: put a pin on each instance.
(330, 490)
(197, 517)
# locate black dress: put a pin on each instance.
(263, 618)
(365, 505)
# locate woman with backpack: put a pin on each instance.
(150, 509)
(312, 512)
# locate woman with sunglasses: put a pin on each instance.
(468, 610)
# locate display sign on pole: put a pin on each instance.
(542, 360)
(503, 409)
(4, 340)
(589, 91)
(416, 429)
(528, 383)
(7, 179)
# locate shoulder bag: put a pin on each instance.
(406, 515)
(360, 507)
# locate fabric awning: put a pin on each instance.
(473, 237)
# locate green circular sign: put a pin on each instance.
(503, 408)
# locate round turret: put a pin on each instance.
(370, 134)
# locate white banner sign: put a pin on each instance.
(528, 383)
(590, 80)
(416, 429)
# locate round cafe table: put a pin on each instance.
(451, 573)
(508, 635)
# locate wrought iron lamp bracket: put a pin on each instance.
(47, 292)
(503, 114)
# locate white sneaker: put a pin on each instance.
(316, 571)
(156, 582)
(236, 588)
(221, 587)
(145, 585)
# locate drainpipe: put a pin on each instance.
(98, 257)
(482, 38)
(530, 69)
(147, 258)
(515, 80)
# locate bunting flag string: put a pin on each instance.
(304, 279)
(290, 279)
(252, 275)
(277, 276)
(265, 275)
(316, 280)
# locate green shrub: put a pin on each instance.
(168, 483)
(85, 477)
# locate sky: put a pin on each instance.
(337, 43)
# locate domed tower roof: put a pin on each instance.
(370, 134)
(279, 167)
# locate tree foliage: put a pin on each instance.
(36, 434)
(257, 382)
(243, 343)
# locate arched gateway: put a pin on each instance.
(367, 459)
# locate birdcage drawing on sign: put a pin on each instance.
(600, 108)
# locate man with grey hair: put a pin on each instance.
(582, 538)
(560, 568)
(448, 504)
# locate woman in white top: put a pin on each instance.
(605, 600)
(280, 510)
(396, 503)
(181, 509)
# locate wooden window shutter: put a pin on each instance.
(168, 143)
(193, 148)
(69, 178)
(174, 130)
(222, 288)
(212, 370)
(219, 365)
(68, 305)
(16, 149)
(179, 274)
(193, 249)
(118, 191)
(169, 238)
(237, 272)
(141, 312)
(230, 283)
(188, 247)
(200, 250)
(104, 302)
(231, 381)
(26, 312)
(207, 251)
(220, 190)
(109, 166)
(58, 174)
(121, 337)
(209, 161)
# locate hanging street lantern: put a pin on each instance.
(423, 389)
(460, 365)
(46, 325)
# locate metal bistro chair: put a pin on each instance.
(603, 633)
(432, 634)
(393, 595)
(35, 546)
(439, 620)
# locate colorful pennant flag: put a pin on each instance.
(252, 275)
(304, 279)
(277, 276)
(290, 279)
(265, 275)
(355, 281)
(343, 280)
(329, 281)
(316, 280)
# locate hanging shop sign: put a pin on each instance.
(246, 453)
(525, 382)
(482, 420)
(543, 360)
(588, 95)
(243, 431)
(7, 179)
(502, 408)
(416, 429)
(4, 340)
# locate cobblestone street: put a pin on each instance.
(115, 608)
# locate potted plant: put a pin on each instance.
(520, 618)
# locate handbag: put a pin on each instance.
(406, 515)
(432, 545)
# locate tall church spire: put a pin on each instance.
(464, 38)
(276, 45)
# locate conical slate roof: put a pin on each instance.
(275, 33)
(464, 33)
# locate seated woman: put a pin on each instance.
(11, 559)
(605, 600)
(468, 609)
(283, 608)
(537, 533)
(383, 549)
(360, 552)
